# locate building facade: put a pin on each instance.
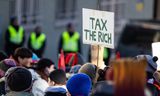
(53, 15)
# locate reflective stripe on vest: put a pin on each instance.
(16, 37)
(105, 53)
(70, 43)
(37, 42)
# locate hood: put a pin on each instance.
(61, 89)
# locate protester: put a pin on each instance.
(58, 83)
(14, 36)
(37, 41)
(70, 40)
(18, 81)
(90, 70)
(40, 76)
(4, 66)
(23, 57)
(79, 85)
(150, 69)
(130, 77)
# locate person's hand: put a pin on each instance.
(68, 94)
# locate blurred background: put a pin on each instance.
(54, 15)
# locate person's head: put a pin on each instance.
(79, 85)
(90, 70)
(5, 65)
(3, 55)
(129, 77)
(38, 29)
(70, 27)
(23, 57)
(105, 74)
(14, 21)
(45, 66)
(58, 77)
(18, 79)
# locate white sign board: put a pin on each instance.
(98, 27)
(156, 52)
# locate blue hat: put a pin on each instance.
(79, 85)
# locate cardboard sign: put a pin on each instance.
(156, 52)
(98, 27)
(96, 58)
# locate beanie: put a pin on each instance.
(79, 85)
(151, 62)
(18, 79)
(89, 69)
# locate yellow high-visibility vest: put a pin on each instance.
(37, 42)
(16, 36)
(70, 43)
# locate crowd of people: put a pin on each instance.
(24, 74)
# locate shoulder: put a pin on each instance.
(40, 84)
(39, 87)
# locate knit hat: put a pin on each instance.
(151, 62)
(5, 65)
(79, 85)
(18, 79)
(89, 69)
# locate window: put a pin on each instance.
(66, 9)
(27, 11)
(116, 6)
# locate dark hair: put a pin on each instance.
(58, 76)
(69, 25)
(43, 63)
(102, 73)
(12, 19)
(22, 53)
